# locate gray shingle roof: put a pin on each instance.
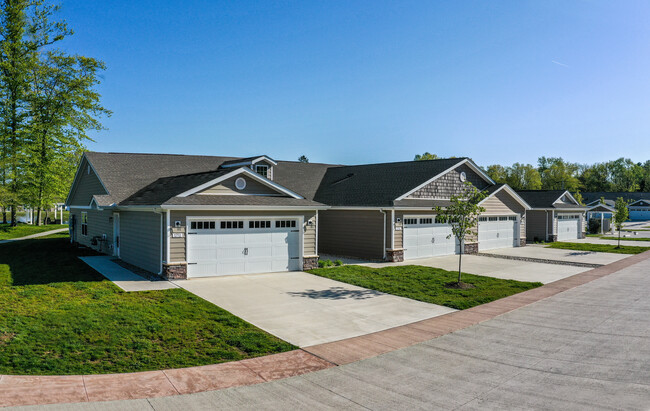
(155, 179)
(610, 197)
(545, 199)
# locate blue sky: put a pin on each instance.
(372, 81)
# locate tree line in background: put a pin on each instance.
(48, 103)
(553, 173)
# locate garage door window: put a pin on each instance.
(285, 223)
(259, 224)
(426, 220)
(202, 225)
(410, 221)
(232, 224)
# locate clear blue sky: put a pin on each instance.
(372, 81)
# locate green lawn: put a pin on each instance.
(625, 238)
(21, 230)
(601, 248)
(426, 284)
(58, 316)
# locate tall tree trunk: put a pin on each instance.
(38, 216)
(4, 215)
(13, 216)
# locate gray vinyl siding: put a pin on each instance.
(140, 239)
(536, 225)
(352, 233)
(177, 246)
(449, 184)
(228, 187)
(86, 186)
(100, 223)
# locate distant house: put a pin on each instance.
(196, 216)
(638, 202)
(555, 215)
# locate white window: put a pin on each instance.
(202, 225)
(426, 220)
(232, 224)
(410, 221)
(285, 223)
(84, 223)
(262, 170)
(259, 224)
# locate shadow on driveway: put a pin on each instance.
(336, 293)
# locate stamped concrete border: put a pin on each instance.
(33, 390)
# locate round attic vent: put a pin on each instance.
(240, 183)
(463, 176)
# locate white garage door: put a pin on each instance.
(423, 237)
(568, 227)
(242, 246)
(497, 232)
(640, 214)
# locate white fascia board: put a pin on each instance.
(605, 206)
(358, 208)
(638, 201)
(467, 161)
(566, 192)
(242, 207)
(250, 174)
(512, 193)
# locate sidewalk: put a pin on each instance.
(46, 233)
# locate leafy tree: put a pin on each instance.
(462, 214)
(303, 159)
(557, 174)
(523, 177)
(25, 29)
(645, 178)
(621, 214)
(63, 105)
(579, 198)
(497, 173)
(425, 156)
(596, 177)
(625, 174)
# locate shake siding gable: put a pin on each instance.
(140, 236)
(502, 203)
(449, 184)
(86, 186)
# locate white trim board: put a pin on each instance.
(237, 172)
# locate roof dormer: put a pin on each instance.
(262, 165)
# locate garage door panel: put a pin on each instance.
(428, 240)
(243, 250)
(498, 232)
(567, 228)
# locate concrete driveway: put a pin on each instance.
(496, 267)
(305, 309)
(597, 240)
(555, 254)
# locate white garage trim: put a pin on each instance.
(566, 224)
(218, 219)
(494, 226)
(431, 231)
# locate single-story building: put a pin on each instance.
(555, 215)
(601, 212)
(638, 202)
(194, 216)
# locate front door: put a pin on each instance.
(116, 234)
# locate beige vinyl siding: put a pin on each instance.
(449, 184)
(502, 203)
(85, 186)
(352, 233)
(398, 232)
(140, 239)
(177, 245)
(100, 223)
(227, 187)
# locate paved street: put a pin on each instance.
(585, 348)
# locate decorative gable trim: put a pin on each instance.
(605, 206)
(466, 161)
(641, 203)
(247, 172)
(512, 193)
(567, 193)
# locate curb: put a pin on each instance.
(16, 390)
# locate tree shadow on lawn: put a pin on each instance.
(44, 261)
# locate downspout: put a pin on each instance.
(384, 222)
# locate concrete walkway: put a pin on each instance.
(28, 237)
(596, 240)
(541, 251)
(579, 343)
(123, 278)
(306, 309)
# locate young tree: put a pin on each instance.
(64, 105)
(425, 156)
(621, 214)
(462, 214)
(303, 159)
